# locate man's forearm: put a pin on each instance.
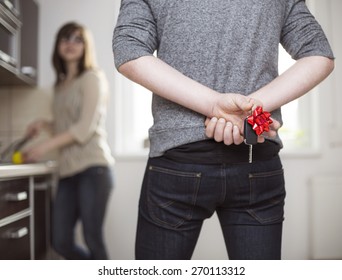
(304, 75)
(167, 82)
(162, 79)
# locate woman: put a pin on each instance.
(78, 133)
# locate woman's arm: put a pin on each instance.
(37, 126)
(94, 91)
(36, 152)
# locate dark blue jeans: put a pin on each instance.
(81, 197)
(177, 197)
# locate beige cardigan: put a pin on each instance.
(81, 109)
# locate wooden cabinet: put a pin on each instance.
(14, 197)
(15, 219)
(19, 42)
(25, 217)
(29, 41)
(42, 216)
(15, 240)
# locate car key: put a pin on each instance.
(250, 138)
(254, 125)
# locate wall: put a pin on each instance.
(122, 212)
(18, 107)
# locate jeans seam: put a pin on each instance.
(266, 174)
(175, 172)
(224, 184)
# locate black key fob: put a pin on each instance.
(250, 137)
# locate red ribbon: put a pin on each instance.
(260, 120)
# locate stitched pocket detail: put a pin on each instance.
(171, 195)
(267, 195)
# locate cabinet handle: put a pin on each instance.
(16, 196)
(17, 234)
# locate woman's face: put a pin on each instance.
(71, 48)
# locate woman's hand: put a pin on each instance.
(36, 127)
(35, 153)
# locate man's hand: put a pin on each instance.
(225, 131)
(229, 112)
(234, 107)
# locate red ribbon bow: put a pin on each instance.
(260, 120)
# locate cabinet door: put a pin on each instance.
(42, 213)
(29, 39)
(15, 240)
(14, 196)
(19, 46)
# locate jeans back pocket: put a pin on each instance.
(171, 195)
(267, 196)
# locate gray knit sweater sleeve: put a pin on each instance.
(302, 35)
(136, 33)
(229, 46)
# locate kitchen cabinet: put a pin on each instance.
(15, 219)
(43, 186)
(25, 209)
(18, 42)
(15, 240)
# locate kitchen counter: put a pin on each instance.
(18, 170)
(25, 210)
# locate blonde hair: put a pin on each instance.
(88, 59)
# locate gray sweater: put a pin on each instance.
(227, 45)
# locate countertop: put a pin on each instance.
(18, 170)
